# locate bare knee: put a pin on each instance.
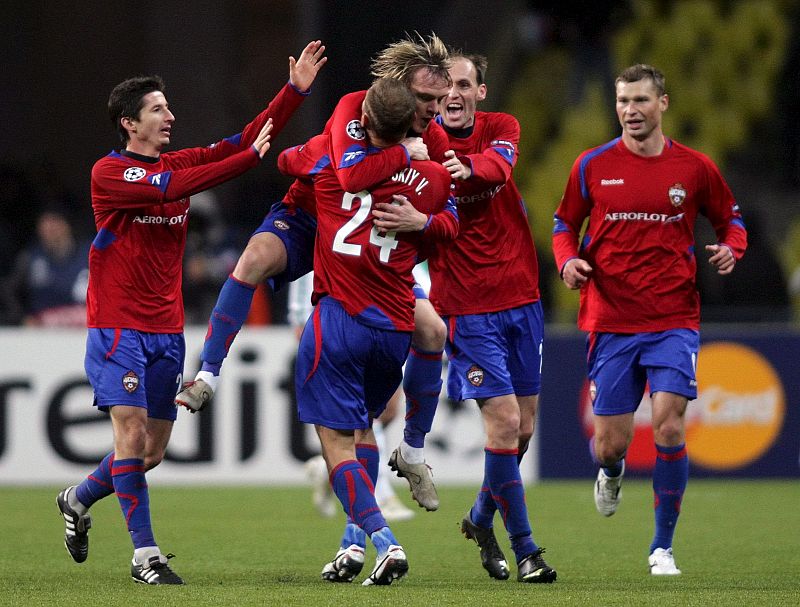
(501, 419)
(609, 448)
(130, 438)
(262, 258)
(151, 460)
(668, 419)
(669, 433)
(430, 332)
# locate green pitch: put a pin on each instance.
(738, 543)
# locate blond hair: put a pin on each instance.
(400, 60)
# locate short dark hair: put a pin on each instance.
(390, 107)
(480, 62)
(125, 100)
(642, 71)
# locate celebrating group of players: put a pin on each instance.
(406, 171)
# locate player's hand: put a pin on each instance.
(576, 273)
(303, 71)
(721, 257)
(456, 168)
(416, 148)
(398, 216)
(261, 144)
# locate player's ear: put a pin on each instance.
(481, 92)
(364, 120)
(128, 123)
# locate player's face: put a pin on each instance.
(639, 108)
(429, 90)
(151, 131)
(458, 108)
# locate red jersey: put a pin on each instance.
(141, 207)
(303, 162)
(640, 236)
(359, 167)
(491, 265)
(367, 271)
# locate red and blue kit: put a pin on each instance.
(366, 270)
(360, 167)
(639, 238)
(141, 208)
(491, 265)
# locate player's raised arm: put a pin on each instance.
(303, 71)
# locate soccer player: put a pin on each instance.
(635, 268)
(323, 498)
(281, 249)
(354, 345)
(135, 347)
(423, 66)
(485, 286)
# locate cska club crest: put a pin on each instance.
(130, 381)
(677, 194)
(475, 375)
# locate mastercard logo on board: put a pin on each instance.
(736, 418)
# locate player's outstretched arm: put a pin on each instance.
(304, 70)
(261, 144)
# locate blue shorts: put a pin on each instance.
(128, 367)
(346, 371)
(495, 354)
(621, 365)
(297, 230)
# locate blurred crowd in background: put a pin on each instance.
(733, 75)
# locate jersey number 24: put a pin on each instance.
(386, 241)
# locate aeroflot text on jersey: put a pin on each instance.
(177, 220)
(485, 195)
(661, 217)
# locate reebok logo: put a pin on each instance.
(612, 182)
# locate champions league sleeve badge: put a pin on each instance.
(134, 173)
(677, 194)
(355, 130)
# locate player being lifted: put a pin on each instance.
(281, 249)
(354, 345)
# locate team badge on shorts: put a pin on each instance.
(677, 194)
(281, 224)
(592, 390)
(355, 130)
(475, 375)
(130, 381)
